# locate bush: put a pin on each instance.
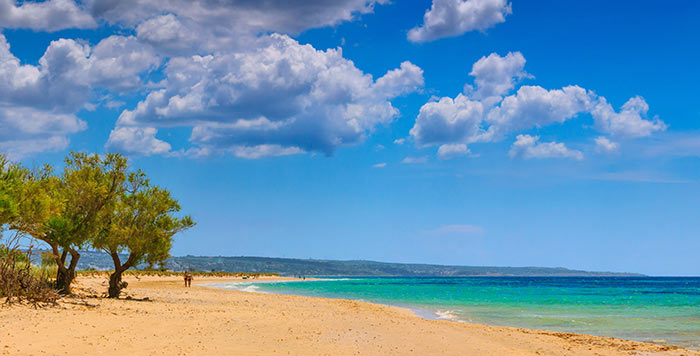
(21, 281)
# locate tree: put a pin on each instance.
(8, 178)
(68, 211)
(30, 200)
(89, 189)
(142, 225)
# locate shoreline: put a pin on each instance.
(421, 311)
(201, 321)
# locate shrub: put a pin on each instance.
(21, 281)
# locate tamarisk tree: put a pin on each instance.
(66, 212)
(141, 226)
(8, 177)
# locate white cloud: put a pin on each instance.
(461, 229)
(25, 131)
(495, 75)
(379, 165)
(399, 141)
(136, 140)
(50, 15)
(448, 121)
(481, 114)
(40, 102)
(528, 147)
(18, 123)
(117, 61)
(403, 80)
(448, 18)
(273, 15)
(50, 86)
(68, 71)
(449, 151)
(629, 122)
(604, 145)
(259, 151)
(169, 35)
(278, 92)
(185, 26)
(17, 149)
(534, 106)
(414, 160)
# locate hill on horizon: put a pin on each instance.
(358, 268)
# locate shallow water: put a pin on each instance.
(641, 309)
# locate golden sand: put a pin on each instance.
(207, 321)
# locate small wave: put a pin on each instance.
(251, 288)
(447, 315)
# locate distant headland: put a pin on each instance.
(314, 267)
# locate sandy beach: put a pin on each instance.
(207, 321)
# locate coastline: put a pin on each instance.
(199, 321)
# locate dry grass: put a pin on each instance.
(20, 281)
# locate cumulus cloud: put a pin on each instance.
(448, 18)
(534, 106)
(399, 141)
(68, 70)
(259, 151)
(629, 122)
(242, 87)
(450, 151)
(17, 149)
(168, 34)
(487, 112)
(495, 75)
(25, 131)
(277, 93)
(604, 145)
(527, 147)
(116, 63)
(448, 121)
(136, 140)
(50, 15)
(273, 15)
(186, 26)
(38, 103)
(57, 83)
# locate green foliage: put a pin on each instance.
(8, 181)
(142, 223)
(95, 202)
(88, 189)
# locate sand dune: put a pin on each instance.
(206, 321)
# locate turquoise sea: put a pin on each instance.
(644, 308)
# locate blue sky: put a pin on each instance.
(477, 132)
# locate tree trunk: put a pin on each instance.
(65, 275)
(115, 284)
(115, 279)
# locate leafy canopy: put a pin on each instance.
(142, 223)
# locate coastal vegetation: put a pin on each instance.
(317, 267)
(95, 203)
